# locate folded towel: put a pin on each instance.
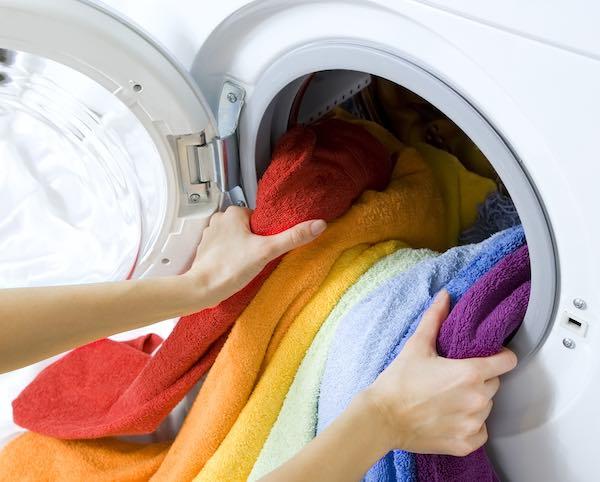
(495, 214)
(236, 455)
(479, 324)
(296, 423)
(371, 335)
(462, 190)
(108, 390)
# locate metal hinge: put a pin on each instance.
(204, 164)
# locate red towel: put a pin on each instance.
(109, 388)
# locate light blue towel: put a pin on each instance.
(370, 336)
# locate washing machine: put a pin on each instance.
(127, 124)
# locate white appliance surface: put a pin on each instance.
(532, 71)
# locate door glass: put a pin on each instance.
(82, 187)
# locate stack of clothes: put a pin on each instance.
(284, 357)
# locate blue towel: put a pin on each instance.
(371, 335)
(495, 214)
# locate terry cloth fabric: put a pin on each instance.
(296, 423)
(372, 334)
(462, 191)
(236, 455)
(478, 326)
(376, 216)
(78, 460)
(107, 388)
(496, 214)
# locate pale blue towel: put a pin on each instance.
(371, 335)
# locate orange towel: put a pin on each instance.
(37, 458)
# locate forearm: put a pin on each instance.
(343, 452)
(40, 322)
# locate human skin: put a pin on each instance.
(421, 403)
(36, 323)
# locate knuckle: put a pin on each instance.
(461, 448)
(298, 236)
(469, 375)
(478, 402)
(471, 427)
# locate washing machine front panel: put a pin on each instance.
(105, 144)
(537, 96)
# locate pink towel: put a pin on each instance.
(110, 388)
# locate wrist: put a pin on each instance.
(373, 422)
(381, 418)
(194, 292)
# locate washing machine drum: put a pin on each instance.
(106, 144)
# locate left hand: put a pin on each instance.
(230, 255)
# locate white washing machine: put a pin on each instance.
(123, 149)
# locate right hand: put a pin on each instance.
(425, 403)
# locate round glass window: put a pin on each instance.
(83, 189)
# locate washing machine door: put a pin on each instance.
(112, 162)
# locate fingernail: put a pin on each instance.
(318, 227)
(440, 295)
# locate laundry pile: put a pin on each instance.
(285, 356)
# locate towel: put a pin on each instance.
(78, 460)
(108, 388)
(236, 455)
(296, 423)
(495, 214)
(484, 318)
(371, 335)
(376, 216)
(462, 190)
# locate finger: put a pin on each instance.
(483, 416)
(432, 320)
(241, 212)
(214, 218)
(491, 386)
(479, 439)
(496, 365)
(296, 236)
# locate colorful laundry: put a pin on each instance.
(376, 216)
(296, 423)
(484, 318)
(237, 453)
(393, 312)
(139, 390)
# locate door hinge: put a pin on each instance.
(215, 162)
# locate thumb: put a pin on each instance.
(432, 320)
(296, 236)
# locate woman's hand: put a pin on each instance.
(229, 255)
(425, 403)
(421, 403)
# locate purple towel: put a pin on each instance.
(488, 313)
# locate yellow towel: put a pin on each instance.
(238, 452)
(461, 189)
(74, 460)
